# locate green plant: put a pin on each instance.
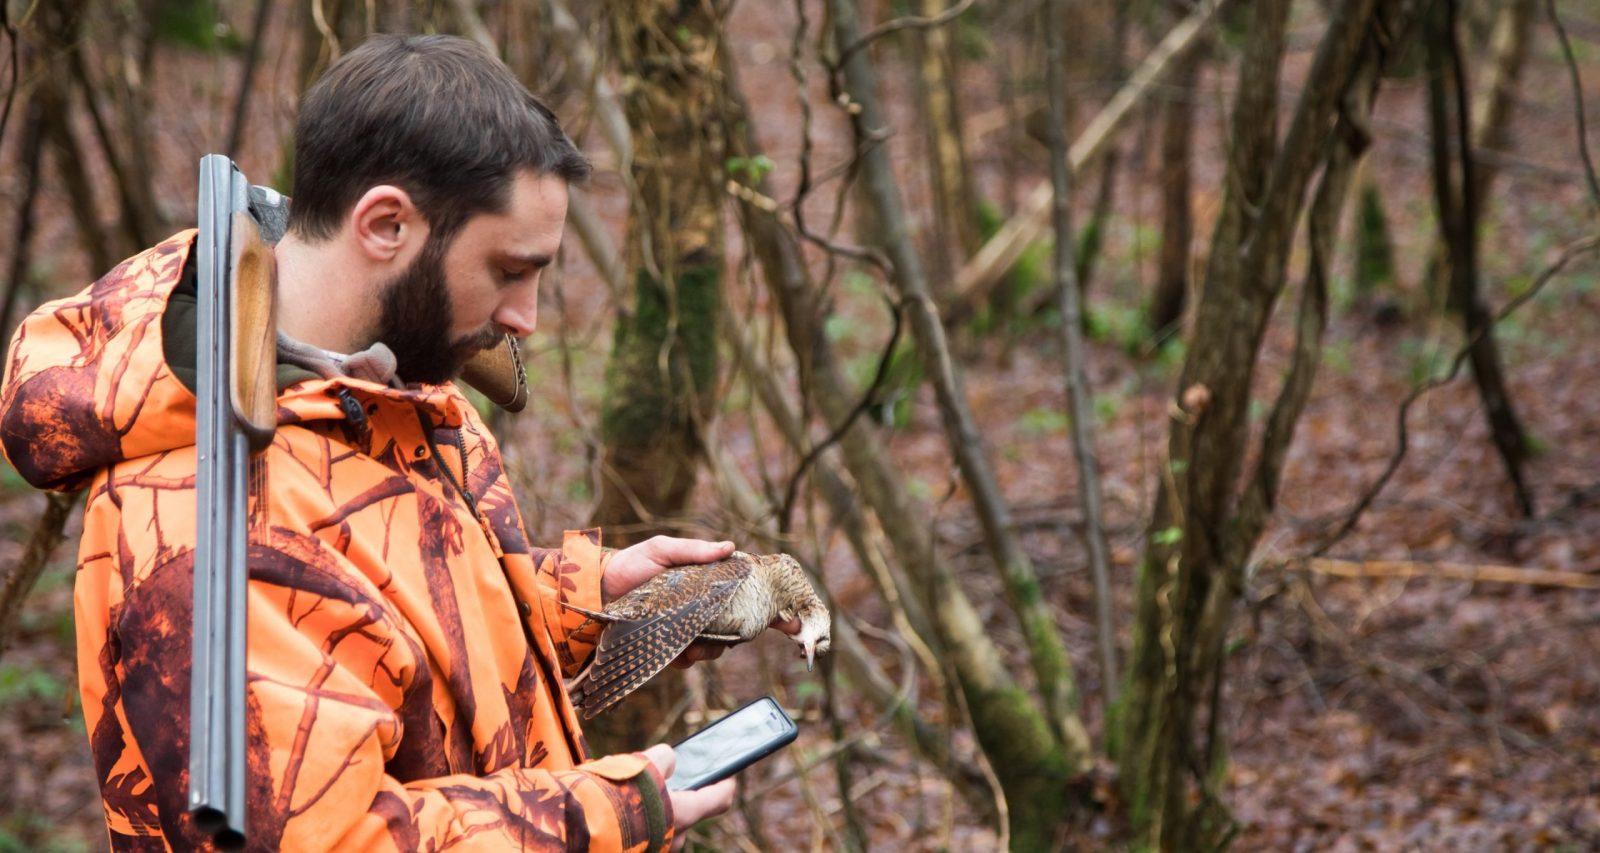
(751, 169)
(194, 24)
(1043, 420)
(20, 685)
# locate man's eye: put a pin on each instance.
(512, 276)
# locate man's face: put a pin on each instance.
(455, 301)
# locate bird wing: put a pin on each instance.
(651, 626)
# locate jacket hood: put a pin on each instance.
(92, 380)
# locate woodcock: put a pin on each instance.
(729, 601)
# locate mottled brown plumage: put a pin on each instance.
(729, 601)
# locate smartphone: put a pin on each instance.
(731, 744)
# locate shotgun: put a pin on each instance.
(236, 414)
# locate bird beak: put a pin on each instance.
(811, 654)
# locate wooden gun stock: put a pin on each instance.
(254, 333)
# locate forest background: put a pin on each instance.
(1190, 409)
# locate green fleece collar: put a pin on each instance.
(178, 333)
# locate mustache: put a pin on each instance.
(482, 340)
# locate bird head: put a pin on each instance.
(815, 635)
(797, 599)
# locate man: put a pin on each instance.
(407, 645)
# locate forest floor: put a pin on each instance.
(1378, 713)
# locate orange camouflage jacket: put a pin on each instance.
(406, 644)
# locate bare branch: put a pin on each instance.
(1577, 102)
(247, 78)
(1352, 516)
(46, 536)
(1068, 296)
(16, 79)
(28, 166)
(575, 45)
(140, 219)
(909, 22)
(1051, 661)
(868, 400)
(997, 255)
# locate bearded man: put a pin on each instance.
(407, 644)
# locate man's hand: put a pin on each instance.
(636, 564)
(689, 807)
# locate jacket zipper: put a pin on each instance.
(449, 475)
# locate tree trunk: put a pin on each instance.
(661, 378)
(1202, 530)
(1491, 121)
(135, 104)
(1457, 202)
(955, 232)
(660, 385)
(1177, 215)
(142, 221)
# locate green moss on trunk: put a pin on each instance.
(660, 386)
(1375, 266)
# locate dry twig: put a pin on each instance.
(1451, 571)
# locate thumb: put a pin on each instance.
(664, 758)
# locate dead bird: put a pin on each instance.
(730, 601)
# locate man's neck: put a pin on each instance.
(323, 297)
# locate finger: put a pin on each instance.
(664, 758)
(790, 626)
(691, 807)
(673, 551)
(697, 652)
(719, 797)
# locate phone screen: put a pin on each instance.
(731, 744)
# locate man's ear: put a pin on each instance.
(387, 225)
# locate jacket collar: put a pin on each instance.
(302, 395)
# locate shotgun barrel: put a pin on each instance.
(235, 416)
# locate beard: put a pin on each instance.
(415, 322)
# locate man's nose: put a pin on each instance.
(518, 317)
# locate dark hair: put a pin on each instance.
(437, 116)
